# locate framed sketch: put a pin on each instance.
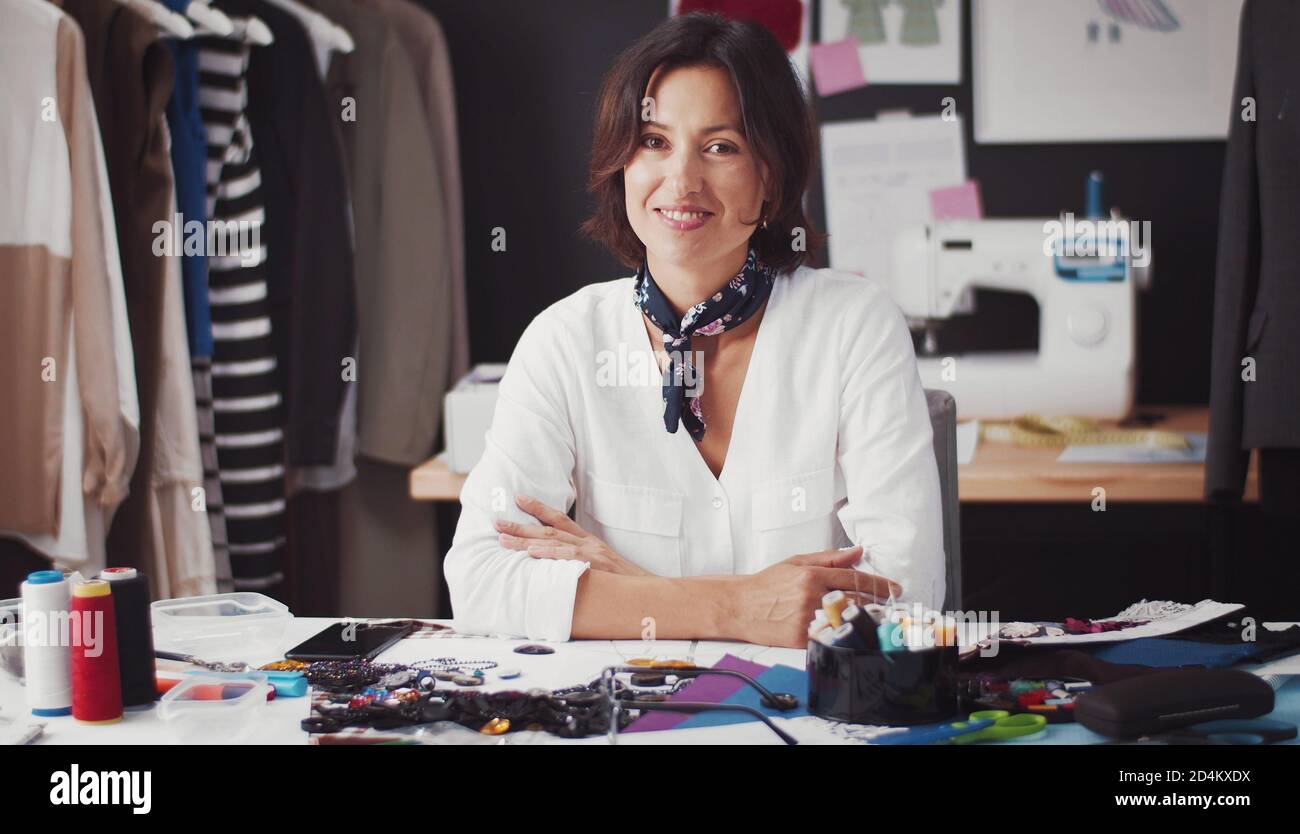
(899, 41)
(1103, 70)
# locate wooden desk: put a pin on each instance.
(1007, 474)
(433, 481)
(1010, 474)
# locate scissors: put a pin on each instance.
(983, 725)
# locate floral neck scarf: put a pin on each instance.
(726, 309)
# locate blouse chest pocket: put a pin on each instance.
(641, 524)
(789, 515)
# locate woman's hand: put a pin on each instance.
(558, 537)
(774, 606)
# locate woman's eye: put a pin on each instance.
(654, 143)
(721, 147)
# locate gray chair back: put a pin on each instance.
(943, 418)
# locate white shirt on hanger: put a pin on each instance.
(831, 437)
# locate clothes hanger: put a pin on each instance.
(209, 17)
(320, 27)
(168, 21)
(250, 30)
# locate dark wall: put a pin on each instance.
(527, 75)
(526, 78)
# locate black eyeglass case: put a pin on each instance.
(868, 686)
(1167, 700)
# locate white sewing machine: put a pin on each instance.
(1086, 297)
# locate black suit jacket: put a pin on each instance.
(1257, 289)
(309, 235)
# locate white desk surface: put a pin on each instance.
(573, 663)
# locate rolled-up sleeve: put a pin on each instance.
(886, 454)
(530, 451)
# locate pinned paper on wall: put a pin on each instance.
(957, 202)
(900, 41)
(878, 175)
(836, 67)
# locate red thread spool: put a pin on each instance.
(96, 679)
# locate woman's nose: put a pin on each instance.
(684, 175)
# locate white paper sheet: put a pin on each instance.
(878, 175)
(968, 438)
(1202, 612)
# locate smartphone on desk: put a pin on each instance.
(350, 641)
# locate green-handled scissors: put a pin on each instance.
(984, 725)
(1004, 726)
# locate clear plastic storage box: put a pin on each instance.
(210, 626)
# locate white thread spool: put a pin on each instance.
(47, 659)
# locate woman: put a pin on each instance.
(785, 410)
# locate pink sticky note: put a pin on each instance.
(836, 66)
(958, 202)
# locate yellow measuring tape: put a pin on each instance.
(1036, 430)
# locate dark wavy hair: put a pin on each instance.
(776, 119)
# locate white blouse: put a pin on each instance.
(831, 437)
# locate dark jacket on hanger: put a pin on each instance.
(1257, 289)
(404, 263)
(308, 237)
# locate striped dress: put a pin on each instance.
(246, 383)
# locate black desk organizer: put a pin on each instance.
(874, 687)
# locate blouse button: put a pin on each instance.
(717, 503)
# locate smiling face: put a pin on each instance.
(694, 186)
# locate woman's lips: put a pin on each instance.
(683, 221)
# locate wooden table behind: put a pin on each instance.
(1002, 473)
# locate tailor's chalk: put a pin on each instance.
(834, 604)
(288, 684)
